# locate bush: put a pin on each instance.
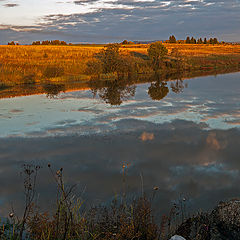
(157, 53)
(28, 79)
(53, 71)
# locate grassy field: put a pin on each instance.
(36, 64)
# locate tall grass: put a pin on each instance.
(31, 64)
(123, 219)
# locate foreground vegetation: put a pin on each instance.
(124, 218)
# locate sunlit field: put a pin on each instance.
(192, 49)
(33, 64)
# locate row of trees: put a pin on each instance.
(13, 43)
(126, 42)
(52, 42)
(192, 40)
(111, 60)
(200, 41)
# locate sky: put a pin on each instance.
(102, 21)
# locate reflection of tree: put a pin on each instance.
(178, 86)
(52, 90)
(113, 92)
(158, 90)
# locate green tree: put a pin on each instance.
(11, 43)
(188, 40)
(193, 40)
(172, 39)
(199, 41)
(157, 53)
(110, 58)
(205, 41)
(215, 41)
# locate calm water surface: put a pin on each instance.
(180, 136)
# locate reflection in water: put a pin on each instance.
(117, 91)
(179, 157)
(113, 92)
(178, 86)
(52, 90)
(158, 90)
(185, 144)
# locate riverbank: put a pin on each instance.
(38, 64)
(52, 89)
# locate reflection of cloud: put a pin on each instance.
(16, 111)
(213, 142)
(176, 158)
(147, 136)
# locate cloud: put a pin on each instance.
(11, 5)
(114, 20)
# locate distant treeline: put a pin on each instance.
(192, 40)
(13, 43)
(52, 42)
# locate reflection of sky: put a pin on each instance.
(213, 100)
(180, 157)
(187, 143)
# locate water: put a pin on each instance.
(182, 136)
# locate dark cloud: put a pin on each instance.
(11, 5)
(146, 20)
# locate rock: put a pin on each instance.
(177, 237)
(223, 223)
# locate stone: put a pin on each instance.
(177, 237)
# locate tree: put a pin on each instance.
(193, 40)
(205, 41)
(215, 41)
(188, 40)
(199, 41)
(172, 39)
(177, 60)
(157, 53)
(110, 58)
(11, 43)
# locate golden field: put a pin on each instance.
(26, 64)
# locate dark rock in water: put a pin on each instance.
(223, 223)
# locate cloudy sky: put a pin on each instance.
(115, 20)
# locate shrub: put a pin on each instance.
(157, 53)
(53, 71)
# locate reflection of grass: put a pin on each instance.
(52, 90)
(3, 86)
